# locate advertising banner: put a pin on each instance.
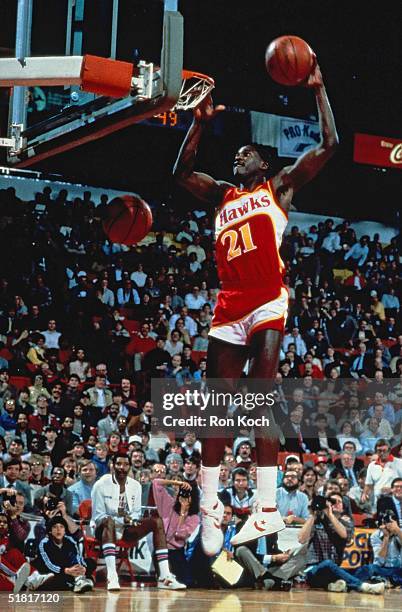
(378, 151)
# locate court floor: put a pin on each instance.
(153, 600)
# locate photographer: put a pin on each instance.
(387, 548)
(51, 505)
(58, 477)
(10, 479)
(180, 518)
(327, 531)
(18, 527)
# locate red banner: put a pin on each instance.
(378, 151)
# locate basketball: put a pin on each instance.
(127, 220)
(289, 60)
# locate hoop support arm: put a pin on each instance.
(98, 75)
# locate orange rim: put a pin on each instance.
(191, 74)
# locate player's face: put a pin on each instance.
(248, 162)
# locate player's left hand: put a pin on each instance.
(315, 78)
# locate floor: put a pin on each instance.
(153, 600)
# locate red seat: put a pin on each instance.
(196, 356)
(19, 382)
(358, 519)
(92, 546)
(131, 326)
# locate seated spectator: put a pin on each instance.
(322, 437)
(108, 425)
(180, 519)
(60, 560)
(9, 480)
(71, 467)
(239, 496)
(297, 434)
(174, 346)
(309, 482)
(382, 471)
(51, 335)
(116, 509)
(392, 501)
(36, 353)
(371, 435)
(326, 532)
(58, 479)
(80, 366)
(347, 435)
(81, 490)
(37, 478)
(99, 399)
(201, 342)
(8, 419)
(347, 466)
(291, 502)
(14, 569)
(65, 441)
(356, 492)
(100, 459)
(174, 464)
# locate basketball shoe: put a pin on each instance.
(262, 522)
(211, 532)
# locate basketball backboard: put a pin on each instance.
(45, 120)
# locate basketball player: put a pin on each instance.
(252, 305)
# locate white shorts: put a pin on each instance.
(269, 316)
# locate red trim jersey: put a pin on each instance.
(248, 231)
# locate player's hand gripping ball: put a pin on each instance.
(289, 60)
(127, 220)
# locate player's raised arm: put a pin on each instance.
(310, 164)
(199, 184)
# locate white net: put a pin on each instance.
(194, 89)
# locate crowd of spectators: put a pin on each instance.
(84, 327)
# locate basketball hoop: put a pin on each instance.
(195, 88)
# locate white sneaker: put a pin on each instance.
(82, 584)
(21, 577)
(171, 583)
(339, 586)
(211, 532)
(113, 582)
(262, 522)
(372, 589)
(35, 580)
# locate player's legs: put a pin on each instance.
(264, 357)
(225, 363)
(105, 532)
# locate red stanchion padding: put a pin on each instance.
(106, 77)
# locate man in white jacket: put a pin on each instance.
(116, 514)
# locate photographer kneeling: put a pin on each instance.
(327, 531)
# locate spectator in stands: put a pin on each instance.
(100, 459)
(36, 353)
(239, 495)
(81, 490)
(355, 494)
(382, 471)
(51, 335)
(9, 481)
(57, 488)
(291, 502)
(127, 295)
(108, 425)
(322, 437)
(296, 432)
(80, 366)
(295, 338)
(393, 501)
(37, 478)
(358, 253)
(14, 570)
(309, 482)
(19, 528)
(100, 398)
(8, 420)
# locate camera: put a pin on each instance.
(184, 493)
(51, 503)
(386, 517)
(318, 503)
(12, 500)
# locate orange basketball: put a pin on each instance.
(127, 220)
(289, 60)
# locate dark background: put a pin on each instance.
(359, 50)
